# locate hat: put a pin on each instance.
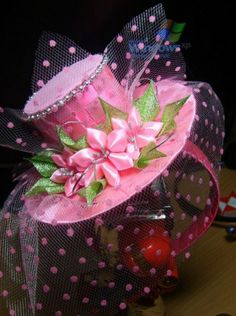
(123, 176)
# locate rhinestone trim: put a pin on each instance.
(61, 102)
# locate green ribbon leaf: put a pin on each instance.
(110, 112)
(43, 163)
(148, 105)
(91, 191)
(45, 185)
(147, 154)
(169, 114)
(67, 141)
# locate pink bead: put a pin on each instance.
(58, 313)
(19, 140)
(134, 28)
(39, 306)
(119, 228)
(44, 241)
(52, 43)
(89, 241)
(153, 271)
(147, 71)
(10, 125)
(135, 269)
(173, 253)
(152, 18)
(85, 300)
(111, 285)
(1, 274)
(12, 312)
(168, 63)
(12, 250)
(46, 63)
(177, 69)
(7, 215)
(8, 233)
(136, 230)
(158, 38)
(187, 255)
(141, 46)
(158, 78)
(204, 104)
(101, 264)
(72, 50)
(1, 110)
(94, 282)
(24, 287)
(5, 293)
(129, 209)
(158, 252)
(119, 38)
(18, 269)
(99, 221)
(177, 49)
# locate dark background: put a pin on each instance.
(93, 24)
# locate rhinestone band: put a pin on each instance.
(78, 89)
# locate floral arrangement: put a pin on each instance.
(85, 166)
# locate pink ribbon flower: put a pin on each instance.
(139, 134)
(106, 156)
(67, 174)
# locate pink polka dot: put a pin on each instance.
(156, 57)
(40, 83)
(147, 71)
(58, 313)
(7, 215)
(85, 300)
(127, 55)
(167, 43)
(111, 285)
(119, 267)
(12, 250)
(52, 43)
(183, 216)
(204, 104)
(19, 140)
(39, 306)
(136, 230)
(5, 293)
(158, 38)
(158, 252)
(177, 69)
(82, 260)
(24, 287)
(141, 46)
(152, 18)
(135, 269)
(54, 270)
(66, 297)
(153, 271)
(194, 218)
(72, 50)
(70, 232)
(8, 233)
(187, 255)
(119, 38)
(44, 145)
(46, 288)
(46, 63)
(168, 63)
(89, 241)
(122, 306)
(123, 82)
(74, 279)
(158, 78)
(10, 125)
(177, 49)
(128, 287)
(119, 228)
(103, 302)
(113, 66)
(101, 264)
(61, 251)
(190, 236)
(134, 28)
(1, 274)
(18, 269)
(173, 253)
(1, 110)
(129, 209)
(99, 221)
(94, 282)
(12, 312)
(169, 273)
(178, 235)
(44, 241)
(146, 290)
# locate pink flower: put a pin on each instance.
(106, 156)
(67, 174)
(139, 134)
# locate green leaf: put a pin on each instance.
(43, 156)
(43, 163)
(67, 141)
(169, 114)
(147, 154)
(110, 112)
(148, 105)
(45, 185)
(91, 191)
(46, 169)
